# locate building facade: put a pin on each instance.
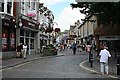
(8, 29)
(46, 19)
(87, 31)
(27, 15)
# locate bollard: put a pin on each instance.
(89, 56)
(91, 60)
(118, 64)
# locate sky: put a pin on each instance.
(63, 13)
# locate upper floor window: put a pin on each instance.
(1, 7)
(9, 6)
(33, 7)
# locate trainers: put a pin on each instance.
(107, 73)
(102, 73)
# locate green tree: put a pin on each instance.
(106, 12)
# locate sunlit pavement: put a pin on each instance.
(66, 66)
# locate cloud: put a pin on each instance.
(68, 17)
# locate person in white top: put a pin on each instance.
(104, 56)
(24, 51)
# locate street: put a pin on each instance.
(66, 66)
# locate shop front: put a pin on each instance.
(28, 33)
(112, 41)
(8, 37)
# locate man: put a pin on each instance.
(19, 49)
(24, 51)
(74, 48)
(104, 55)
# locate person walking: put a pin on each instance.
(74, 48)
(24, 51)
(104, 57)
(19, 49)
(88, 50)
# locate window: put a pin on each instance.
(1, 7)
(27, 33)
(22, 40)
(32, 34)
(21, 32)
(32, 44)
(9, 5)
(33, 7)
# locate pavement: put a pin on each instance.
(96, 65)
(16, 61)
(85, 64)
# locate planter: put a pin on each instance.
(47, 52)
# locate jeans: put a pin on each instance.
(24, 53)
(104, 67)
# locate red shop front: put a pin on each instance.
(8, 35)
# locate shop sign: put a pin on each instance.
(4, 41)
(110, 37)
(31, 13)
(12, 40)
(29, 24)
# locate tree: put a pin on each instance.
(106, 12)
(57, 30)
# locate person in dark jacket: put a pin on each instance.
(19, 49)
(74, 47)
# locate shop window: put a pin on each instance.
(32, 44)
(27, 33)
(4, 39)
(21, 32)
(22, 40)
(32, 34)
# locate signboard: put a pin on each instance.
(12, 40)
(31, 13)
(4, 41)
(29, 24)
(110, 37)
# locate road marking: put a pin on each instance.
(81, 65)
(15, 66)
(21, 64)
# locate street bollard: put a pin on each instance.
(118, 64)
(89, 56)
(91, 60)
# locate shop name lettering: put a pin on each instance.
(110, 37)
(6, 24)
(30, 24)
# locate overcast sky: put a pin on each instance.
(63, 13)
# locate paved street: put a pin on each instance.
(66, 66)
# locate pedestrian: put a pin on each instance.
(24, 51)
(83, 47)
(104, 57)
(74, 47)
(21, 45)
(19, 49)
(88, 50)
